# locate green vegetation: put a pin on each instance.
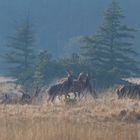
(110, 52)
(20, 55)
(108, 55)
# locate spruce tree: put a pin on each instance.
(113, 48)
(43, 61)
(91, 52)
(20, 54)
(116, 39)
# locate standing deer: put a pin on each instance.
(130, 91)
(78, 84)
(88, 87)
(83, 84)
(63, 87)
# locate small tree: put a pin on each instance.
(43, 61)
(20, 54)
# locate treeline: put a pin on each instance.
(108, 55)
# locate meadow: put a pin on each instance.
(105, 118)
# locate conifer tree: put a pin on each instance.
(111, 49)
(20, 54)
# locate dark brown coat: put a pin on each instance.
(130, 91)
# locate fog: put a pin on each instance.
(57, 23)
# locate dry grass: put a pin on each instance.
(106, 118)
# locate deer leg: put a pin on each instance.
(79, 93)
(53, 98)
(94, 92)
(59, 97)
(49, 98)
(75, 95)
(65, 96)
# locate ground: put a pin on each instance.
(105, 118)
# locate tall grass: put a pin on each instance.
(65, 130)
(88, 120)
(105, 118)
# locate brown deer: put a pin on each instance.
(83, 84)
(26, 98)
(88, 87)
(130, 91)
(63, 87)
(78, 84)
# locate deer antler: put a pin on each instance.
(70, 72)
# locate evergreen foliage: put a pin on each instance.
(110, 52)
(20, 55)
(108, 55)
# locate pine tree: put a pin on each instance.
(20, 53)
(91, 52)
(112, 47)
(116, 38)
(43, 61)
(47, 69)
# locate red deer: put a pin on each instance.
(88, 87)
(130, 91)
(82, 85)
(78, 85)
(63, 87)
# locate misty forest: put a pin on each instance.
(69, 70)
(108, 53)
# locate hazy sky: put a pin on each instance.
(59, 21)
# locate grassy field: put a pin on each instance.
(105, 118)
